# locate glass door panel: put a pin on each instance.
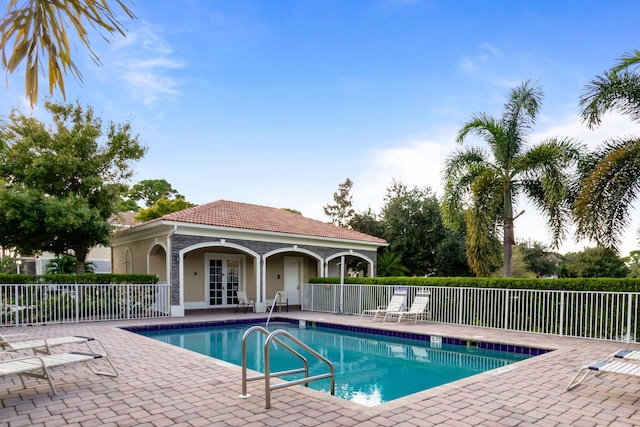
(233, 280)
(216, 283)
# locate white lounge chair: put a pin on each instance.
(418, 309)
(395, 305)
(17, 342)
(624, 354)
(38, 366)
(604, 366)
(245, 301)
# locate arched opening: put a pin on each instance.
(286, 269)
(157, 262)
(356, 265)
(212, 273)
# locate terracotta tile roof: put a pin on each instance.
(224, 213)
(123, 219)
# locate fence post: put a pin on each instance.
(77, 304)
(506, 309)
(15, 304)
(460, 310)
(562, 328)
(128, 301)
(628, 334)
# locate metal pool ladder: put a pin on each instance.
(276, 300)
(274, 336)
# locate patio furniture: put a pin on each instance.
(419, 308)
(245, 301)
(604, 366)
(625, 355)
(395, 305)
(38, 366)
(17, 342)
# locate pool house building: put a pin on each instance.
(209, 252)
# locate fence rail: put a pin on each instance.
(596, 315)
(23, 304)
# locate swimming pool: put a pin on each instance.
(371, 366)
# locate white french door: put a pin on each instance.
(224, 277)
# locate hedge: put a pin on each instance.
(88, 278)
(578, 284)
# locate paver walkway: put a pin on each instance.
(162, 385)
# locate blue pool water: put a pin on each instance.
(370, 368)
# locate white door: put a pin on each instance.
(293, 278)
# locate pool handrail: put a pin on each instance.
(273, 336)
(277, 299)
(266, 332)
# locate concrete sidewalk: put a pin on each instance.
(162, 385)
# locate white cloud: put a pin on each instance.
(613, 126)
(486, 53)
(144, 61)
(467, 64)
(415, 163)
(492, 50)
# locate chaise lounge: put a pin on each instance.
(17, 342)
(419, 309)
(38, 366)
(395, 305)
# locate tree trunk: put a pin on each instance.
(81, 257)
(508, 247)
(507, 227)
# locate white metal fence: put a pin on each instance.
(44, 303)
(597, 315)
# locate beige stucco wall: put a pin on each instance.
(139, 251)
(250, 278)
(311, 268)
(275, 267)
(194, 276)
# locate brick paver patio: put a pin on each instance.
(162, 385)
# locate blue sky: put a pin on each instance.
(277, 102)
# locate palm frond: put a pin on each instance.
(607, 194)
(460, 171)
(627, 61)
(549, 171)
(519, 115)
(36, 33)
(490, 129)
(612, 92)
(483, 220)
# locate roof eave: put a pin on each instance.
(182, 227)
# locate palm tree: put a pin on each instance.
(612, 181)
(37, 29)
(390, 265)
(66, 264)
(486, 185)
